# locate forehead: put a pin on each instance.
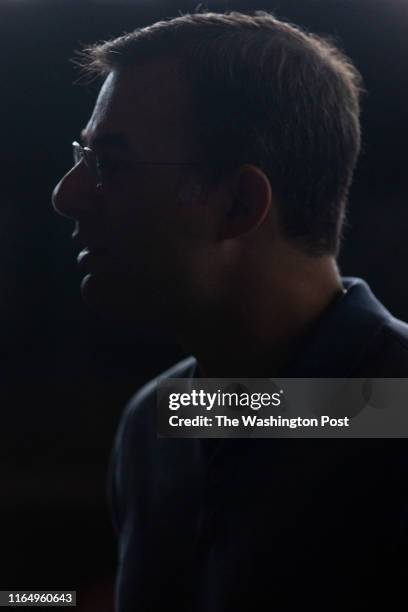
(150, 105)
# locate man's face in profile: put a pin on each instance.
(144, 239)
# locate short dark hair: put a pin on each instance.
(266, 93)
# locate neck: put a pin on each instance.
(263, 324)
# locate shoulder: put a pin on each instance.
(396, 341)
(377, 340)
(136, 441)
(397, 332)
(388, 357)
(140, 410)
(147, 394)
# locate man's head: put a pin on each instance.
(237, 133)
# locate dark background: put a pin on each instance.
(65, 373)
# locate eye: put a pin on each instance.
(107, 166)
(109, 169)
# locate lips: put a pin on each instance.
(89, 252)
(92, 260)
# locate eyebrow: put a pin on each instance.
(111, 140)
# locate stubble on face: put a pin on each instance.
(150, 232)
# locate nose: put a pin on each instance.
(74, 195)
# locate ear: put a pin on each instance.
(249, 204)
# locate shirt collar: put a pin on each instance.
(342, 336)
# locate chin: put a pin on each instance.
(111, 301)
(91, 291)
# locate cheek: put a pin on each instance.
(143, 249)
(128, 228)
(151, 241)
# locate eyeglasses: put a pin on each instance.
(91, 161)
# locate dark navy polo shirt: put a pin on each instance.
(268, 524)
